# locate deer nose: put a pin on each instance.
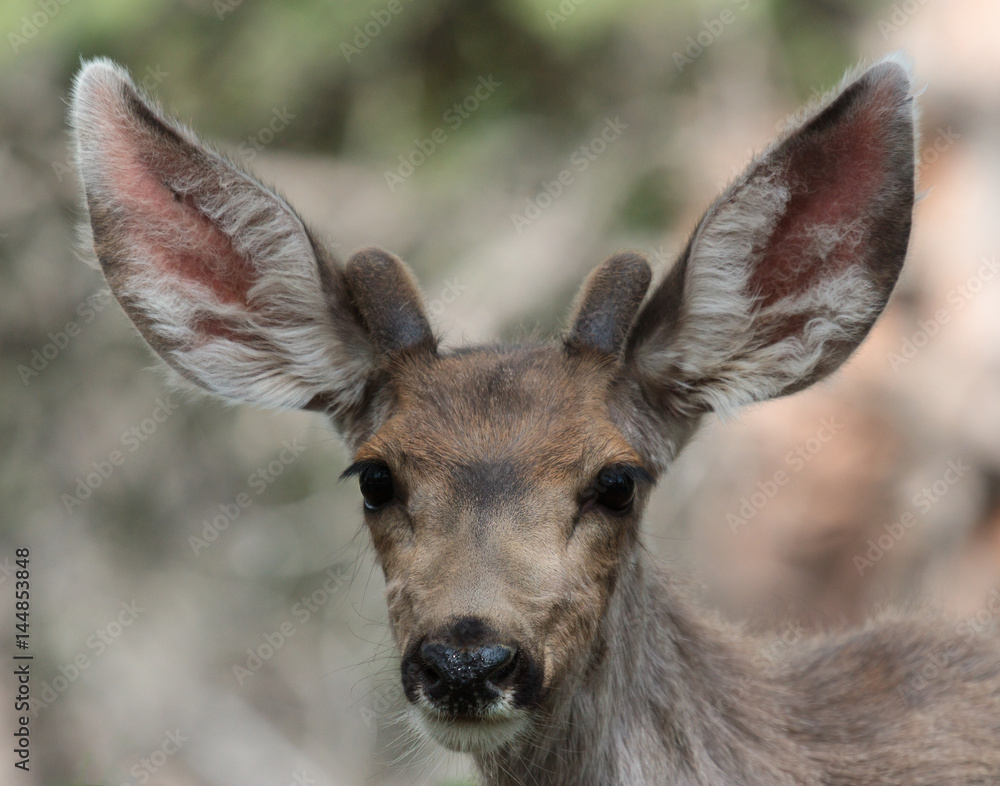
(464, 668)
(461, 680)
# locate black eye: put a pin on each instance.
(614, 490)
(376, 485)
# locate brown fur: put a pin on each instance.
(534, 631)
(387, 297)
(487, 448)
(608, 302)
(641, 686)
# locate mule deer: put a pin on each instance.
(503, 485)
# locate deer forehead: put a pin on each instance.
(515, 414)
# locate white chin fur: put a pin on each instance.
(468, 736)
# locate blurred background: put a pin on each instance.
(182, 639)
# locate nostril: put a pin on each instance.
(506, 668)
(494, 660)
(428, 668)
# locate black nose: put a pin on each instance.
(465, 669)
(462, 680)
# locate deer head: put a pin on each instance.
(503, 486)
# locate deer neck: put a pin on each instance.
(665, 698)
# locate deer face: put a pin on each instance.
(502, 486)
(503, 502)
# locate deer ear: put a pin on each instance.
(788, 270)
(217, 272)
(607, 303)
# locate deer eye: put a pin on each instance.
(614, 489)
(375, 481)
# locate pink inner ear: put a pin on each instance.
(834, 179)
(168, 228)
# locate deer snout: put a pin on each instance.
(460, 680)
(462, 675)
